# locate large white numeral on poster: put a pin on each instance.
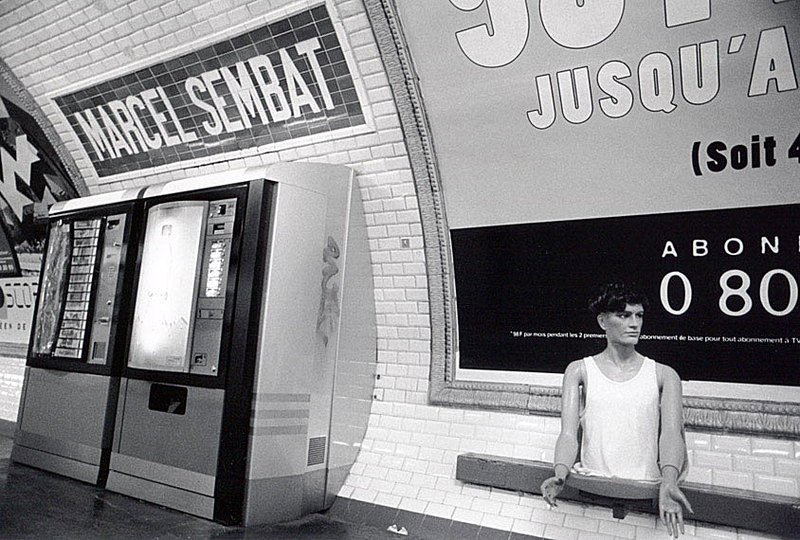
(678, 12)
(764, 292)
(735, 292)
(502, 40)
(687, 293)
(577, 24)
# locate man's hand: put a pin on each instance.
(551, 488)
(670, 499)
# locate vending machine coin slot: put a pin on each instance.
(99, 350)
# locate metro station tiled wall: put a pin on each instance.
(409, 454)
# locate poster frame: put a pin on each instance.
(709, 414)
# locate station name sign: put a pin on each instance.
(285, 80)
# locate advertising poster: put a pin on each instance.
(581, 142)
(9, 265)
(17, 300)
(31, 179)
(722, 286)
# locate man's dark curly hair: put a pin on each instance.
(613, 297)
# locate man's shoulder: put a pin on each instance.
(665, 372)
(575, 364)
(575, 370)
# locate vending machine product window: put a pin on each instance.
(77, 303)
(183, 286)
(51, 294)
(164, 316)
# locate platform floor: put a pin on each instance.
(38, 504)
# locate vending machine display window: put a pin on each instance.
(183, 286)
(77, 303)
(168, 279)
(54, 279)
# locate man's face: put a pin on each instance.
(623, 327)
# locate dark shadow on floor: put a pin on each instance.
(38, 504)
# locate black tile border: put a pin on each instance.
(434, 526)
(418, 525)
(467, 531)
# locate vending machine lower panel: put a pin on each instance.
(63, 424)
(166, 445)
(299, 495)
(283, 459)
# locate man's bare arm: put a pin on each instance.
(672, 452)
(566, 451)
(671, 445)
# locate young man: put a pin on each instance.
(629, 408)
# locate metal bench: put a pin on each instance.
(775, 514)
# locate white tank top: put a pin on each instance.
(620, 424)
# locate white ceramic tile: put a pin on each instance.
(412, 504)
(617, 528)
(776, 485)
(431, 495)
(582, 523)
(409, 453)
(734, 479)
(754, 464)
(549, 517)
(772, 448)
(585, 535)
(516, 511)
(439, 510)
(497, 522)
(555, 532)
(730, 444)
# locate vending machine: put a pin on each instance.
(69, 395)
(246, 378)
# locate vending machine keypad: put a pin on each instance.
(214, 280)
(113, 243)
